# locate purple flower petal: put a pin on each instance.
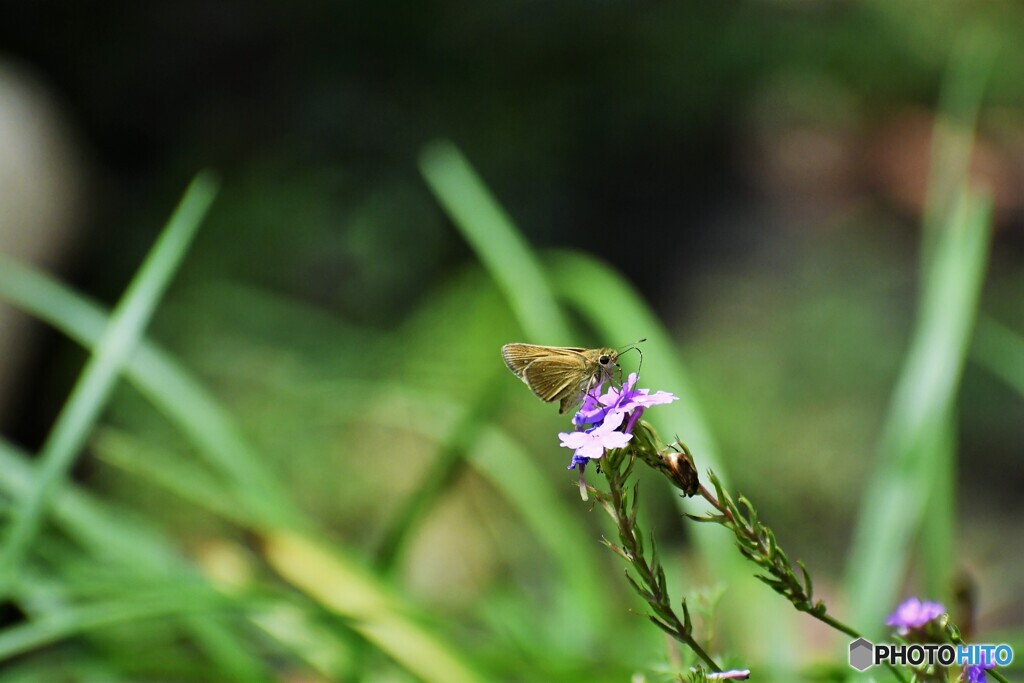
(600, 416)
(578, 461)
(913, 613)
(593, 409)
(593, 442)
(658, 398)
(974, 673)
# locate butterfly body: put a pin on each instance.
(560, 373)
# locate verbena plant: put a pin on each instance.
(94, 578)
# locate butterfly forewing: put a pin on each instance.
(552, 377)
(518, 356)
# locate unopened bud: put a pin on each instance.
(680, 470)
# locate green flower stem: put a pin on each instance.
(757, 543)
(953, 634)
(755, 540)
(651, 584)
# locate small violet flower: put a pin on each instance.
(913, 613)
(591, 443)
(599, 419)
(595, 410)
(975, 673)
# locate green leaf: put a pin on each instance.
(499, 458)
(494, 238)
(124, 609)
(162, 380)
(1000, 350)
(113, 535)
(894, 504)
(90, 393)
(444, 469)
(340, 587)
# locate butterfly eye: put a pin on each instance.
(603, 360)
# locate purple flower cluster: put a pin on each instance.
(975, 673)
(912, 613)
(599, 421)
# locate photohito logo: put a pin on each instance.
(865, 654)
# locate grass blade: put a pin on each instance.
(498, 458)
(136, 545)
(447, 463)
(344, 590)
(97, 380)
(124, 609)
(497, 243)
(524, 283)
(953, 139)
(894, 505)
(1000, 350)
(163, 381)
(939, 532)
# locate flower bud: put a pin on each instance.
(680, 470)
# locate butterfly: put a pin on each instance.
(560, 373)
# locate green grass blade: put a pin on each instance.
(125, 609)
(497, 457)
(163, 381)
(340, 587)
(617, 311)
(952, 148)
(939, 532)
(497, 243)
(100, 528)
(97, 380)
(183, 477)
(523, 282)
(447, 463)
(894, 504)
(136, 545)
(1000, 350)
(953, 138)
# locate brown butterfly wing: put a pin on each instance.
(594, 376)
(518, 356)
(554, 377)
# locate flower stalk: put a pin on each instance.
(609, 429)
(621, 502)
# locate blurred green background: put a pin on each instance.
(762, 188)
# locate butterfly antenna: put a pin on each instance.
(634, 347)
(627, 347)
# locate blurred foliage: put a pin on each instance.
(757, 170)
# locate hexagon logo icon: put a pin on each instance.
(861, 654)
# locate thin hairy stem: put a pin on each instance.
(650, 583)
